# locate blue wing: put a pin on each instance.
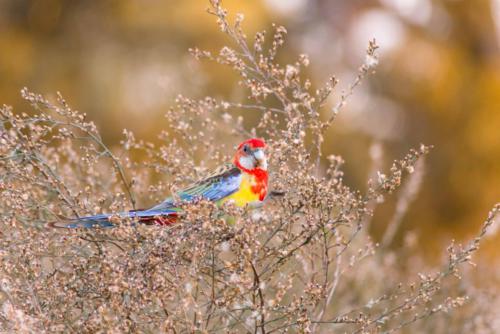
(221, 183)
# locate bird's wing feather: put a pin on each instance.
(219, 184)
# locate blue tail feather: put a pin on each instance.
(160, 217)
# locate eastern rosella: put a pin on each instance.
(243, 181)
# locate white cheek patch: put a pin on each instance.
(247, 162)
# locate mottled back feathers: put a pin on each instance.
(222, 182)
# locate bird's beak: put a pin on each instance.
(260, 157)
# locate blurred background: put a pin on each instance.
(123, 62)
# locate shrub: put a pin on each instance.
(304, 262)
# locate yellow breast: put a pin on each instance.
(244, 195)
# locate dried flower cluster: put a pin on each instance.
(302, 263)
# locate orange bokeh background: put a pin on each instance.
(438, 82)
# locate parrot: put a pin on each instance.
(244, 181)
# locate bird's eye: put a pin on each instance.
(246, 149)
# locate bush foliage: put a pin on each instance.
(304, 262)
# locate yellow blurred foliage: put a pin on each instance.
(123, 62)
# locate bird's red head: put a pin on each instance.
(250, 158)
(250, 155)
(253, 143)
